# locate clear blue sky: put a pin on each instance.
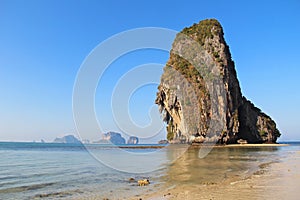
(43, 43)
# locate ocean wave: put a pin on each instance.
(25, 188)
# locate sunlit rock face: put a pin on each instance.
(199, 94)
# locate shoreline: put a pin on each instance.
(146, 146)
(276, 179)
(256, 145)
(159, 146)
(199, 145)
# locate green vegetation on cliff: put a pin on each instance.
(204, 29)
(191, 95)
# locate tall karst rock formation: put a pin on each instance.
(200, 96)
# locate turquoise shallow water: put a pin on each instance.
(63, 171)
(36, 170)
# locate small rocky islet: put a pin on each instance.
(200, 96)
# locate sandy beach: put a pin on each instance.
(278, 179)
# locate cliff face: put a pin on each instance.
(200, 96)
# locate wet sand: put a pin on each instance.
(238, 145)
(256, 145)
(273, 180)
(268, 171)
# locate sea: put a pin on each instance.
(31, 170)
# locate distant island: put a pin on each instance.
(70, 139)
(133, 140)
(111, 137)
(116, 138)
(199, 88)
(107, 138)
(163, 142)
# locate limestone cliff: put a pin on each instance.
(199, 94)
(111, 137)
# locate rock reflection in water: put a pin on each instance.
(222, 164)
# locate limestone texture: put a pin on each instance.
(199, 94)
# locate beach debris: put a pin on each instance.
(208, 183)
(167, 194)
(241, 141)
(131, 180)
(143, 182)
